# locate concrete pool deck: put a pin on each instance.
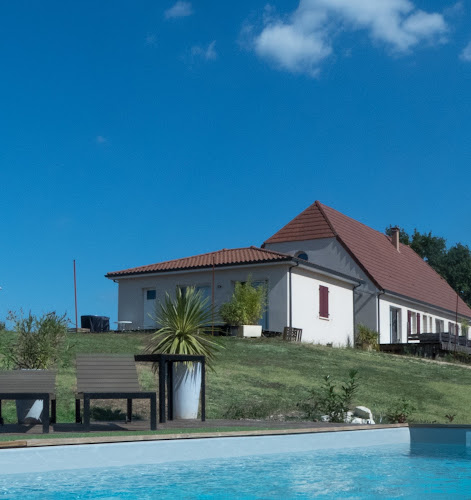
(195, 430)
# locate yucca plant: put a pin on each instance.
(182, 323)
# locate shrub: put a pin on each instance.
(330, 401)
(247, 305)
(3, 326)
(399, 412)
(366, 338)
(38, 343)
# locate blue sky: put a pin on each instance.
(136, 133)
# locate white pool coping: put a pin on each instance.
(56, 458)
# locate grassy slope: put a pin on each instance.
(259, 378)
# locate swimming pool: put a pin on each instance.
(360, 464)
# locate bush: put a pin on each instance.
(3, 326)
(331, 402)
(39, 342)
(366, 338)
(247, 305)
(399, 412)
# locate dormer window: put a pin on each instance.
(302, 255)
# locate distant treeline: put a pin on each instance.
(453, 263)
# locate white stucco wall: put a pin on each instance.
(131, 294)
(305, 305)
(388, 301)
(329, 253)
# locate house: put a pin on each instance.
(301, 293)
(399, 294)
(325, 273)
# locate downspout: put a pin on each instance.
(379, 315)
(291, 295)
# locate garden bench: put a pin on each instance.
(101, 376)
(30, 384)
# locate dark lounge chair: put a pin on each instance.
(101, 376)
(30, 384)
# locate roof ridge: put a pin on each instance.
(321, 207)
(213, 254)
(192, 256)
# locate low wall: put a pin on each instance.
(440, 434)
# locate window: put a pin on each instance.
(395, 320)
(323, 301)
(425, 323)
(150, 295)
(413, 323)
(439, 325)
(302, 255)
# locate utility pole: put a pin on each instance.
(75, 293)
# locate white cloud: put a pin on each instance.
(208, 53)
(180, 9)
(466, 53)
(454, 10)
(151, 39)
(302, 40)
(292, 49)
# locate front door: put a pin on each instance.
(149, 308)
(395, 325)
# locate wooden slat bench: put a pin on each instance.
(30, 384)
(101, 376)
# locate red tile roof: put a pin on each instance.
(224, 257)
(308, 225)
(403, 272)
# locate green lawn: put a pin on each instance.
(261, 378)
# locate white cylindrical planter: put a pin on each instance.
(186, 390)
(29, 411)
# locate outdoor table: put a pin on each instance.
(167, 360)
(122, 325)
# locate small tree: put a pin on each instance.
(247, 305)
(39, 343)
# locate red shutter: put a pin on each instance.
(418, 323)
(409, 322)
(323, 301)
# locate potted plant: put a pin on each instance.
(37, 343)
(246, 308)
(231, 314)
(182, 324)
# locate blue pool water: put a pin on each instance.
(392, 471)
